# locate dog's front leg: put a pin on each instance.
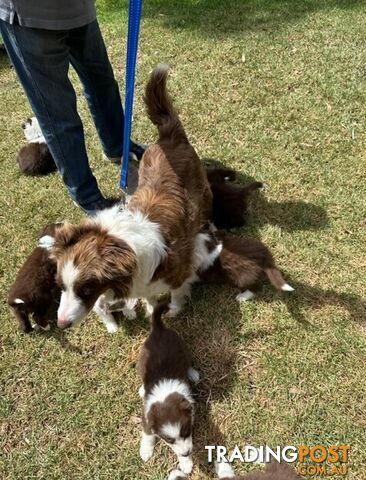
(101, 309)
(178, 298)
(185, 464)
(150, 303)
(147, 445)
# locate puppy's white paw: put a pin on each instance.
(243, 297)
(193, 375)
(176, 474)
(39, 328)
(174, 310)
(149, 308)
(129, 314)
(146, 451)
(186, 464)
(111, 327)
(142, 391)
(224, 470)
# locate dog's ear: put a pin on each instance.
(118, 257)
(118, 264)
(68, 235)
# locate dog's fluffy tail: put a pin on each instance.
(277, 280)
(160, 107)
(156, 321)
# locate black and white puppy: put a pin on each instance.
(35, 158)
(165, 366)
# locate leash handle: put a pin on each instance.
(134, 18)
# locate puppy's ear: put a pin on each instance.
(49, 229)
(185, 406)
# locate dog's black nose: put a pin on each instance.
(23, 126)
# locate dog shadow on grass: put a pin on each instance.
(307, 298)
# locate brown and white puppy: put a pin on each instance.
(35, 158)
(165, 366)
(35, 285)
(272, 471)
(146, 248)
(243, 263)
(229, 201)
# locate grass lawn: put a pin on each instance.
(275, 89)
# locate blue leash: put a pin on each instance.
(134, 17)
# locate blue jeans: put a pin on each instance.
(41, 59)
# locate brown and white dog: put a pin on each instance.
(35, 158)
(165, 366)
(35, 285)
(242, 263)
(146, 248)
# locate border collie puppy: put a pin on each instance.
(272, 471)
(35, 158)
(229, 202)
(243, 263)
(165, 366)
(147, 248)
(35, 285)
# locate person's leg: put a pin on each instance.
(89, 57)
(41, 60)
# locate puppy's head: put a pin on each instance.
(32, 130)
(172, 421)
(89, 262)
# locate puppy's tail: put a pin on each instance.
(277, 280)
(156, 321)
(160, 107)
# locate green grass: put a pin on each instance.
(275, 89)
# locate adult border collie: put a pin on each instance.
(146, 248)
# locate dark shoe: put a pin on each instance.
(135, 154)
(96, 207)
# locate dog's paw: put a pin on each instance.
(111, 327)
(174, 310)
(142, 391)
(149, 308)
(39, 328)
(176, 474)
(186, 464)
(129, 314)
(193, 375)
(243, 297)
(146, 452)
